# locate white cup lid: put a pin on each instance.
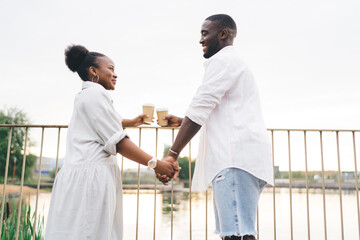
(148, 105)
(162, 109)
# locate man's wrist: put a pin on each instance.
(173, 154)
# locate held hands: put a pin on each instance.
(164, 178)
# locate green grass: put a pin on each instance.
(26, 228)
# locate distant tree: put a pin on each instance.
(14, 116)
(184, 164)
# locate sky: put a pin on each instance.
(305, 55)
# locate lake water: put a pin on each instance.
(181, 213)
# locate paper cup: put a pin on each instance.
(148, 109)
(162, 112)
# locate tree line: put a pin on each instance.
(14, 116)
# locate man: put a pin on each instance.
(234, 152)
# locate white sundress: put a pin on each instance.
(86, 201)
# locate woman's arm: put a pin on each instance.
(131, 151)
(139, 120)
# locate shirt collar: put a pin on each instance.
(88, 84)
(224, 49)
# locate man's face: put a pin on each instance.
(210, 38)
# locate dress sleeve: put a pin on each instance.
(217, 81)
(106, 121)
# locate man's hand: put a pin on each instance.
(164, 178)
(173, 121)
(166, 170)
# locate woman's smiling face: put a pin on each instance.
(105, 71)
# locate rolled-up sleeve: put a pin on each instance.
(107, 122)
(214, 86)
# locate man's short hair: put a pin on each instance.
(225, 21)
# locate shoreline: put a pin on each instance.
(29, 189)
(315, 185)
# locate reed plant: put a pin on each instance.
(26, 228)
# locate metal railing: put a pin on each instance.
(273, 132)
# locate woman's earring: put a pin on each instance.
(95, 77)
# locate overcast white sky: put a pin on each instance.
(305, 55)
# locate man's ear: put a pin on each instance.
(223, 34)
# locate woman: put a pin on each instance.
(86, 200)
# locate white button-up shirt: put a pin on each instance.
(233, 134)
(95, 127)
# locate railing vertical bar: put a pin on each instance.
(339, 180)
(57, 153)
(323, 183)
(356, 183)
(190, 189)
(39, 178)
(138, 192)
(206, 214)
(5, 178)
(307, 187)
(172, 192)
(155, 182)
(290, 186)
(21, 184)
(273, 161)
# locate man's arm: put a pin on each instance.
(187, 131)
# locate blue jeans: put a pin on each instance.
(236, 195)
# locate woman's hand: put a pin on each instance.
(137, 121)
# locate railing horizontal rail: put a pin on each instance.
(157, 127)
(33, 126)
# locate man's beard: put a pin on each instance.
(213, 48)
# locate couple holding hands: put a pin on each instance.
(234, 149)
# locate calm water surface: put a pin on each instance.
(181, 215)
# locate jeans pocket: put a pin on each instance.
(219, 178)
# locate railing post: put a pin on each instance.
(39, 178)
(356, 182)
(138, 192)
(57, 153)
(273, 162)
(323, 183)
(172, 192)
(190, 182)
(339, 180)
(155, 183)
(290, 186)
(307, 187)
(21, 185)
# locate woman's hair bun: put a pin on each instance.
(74, 56)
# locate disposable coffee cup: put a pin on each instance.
(148, 109)
(162, 112)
